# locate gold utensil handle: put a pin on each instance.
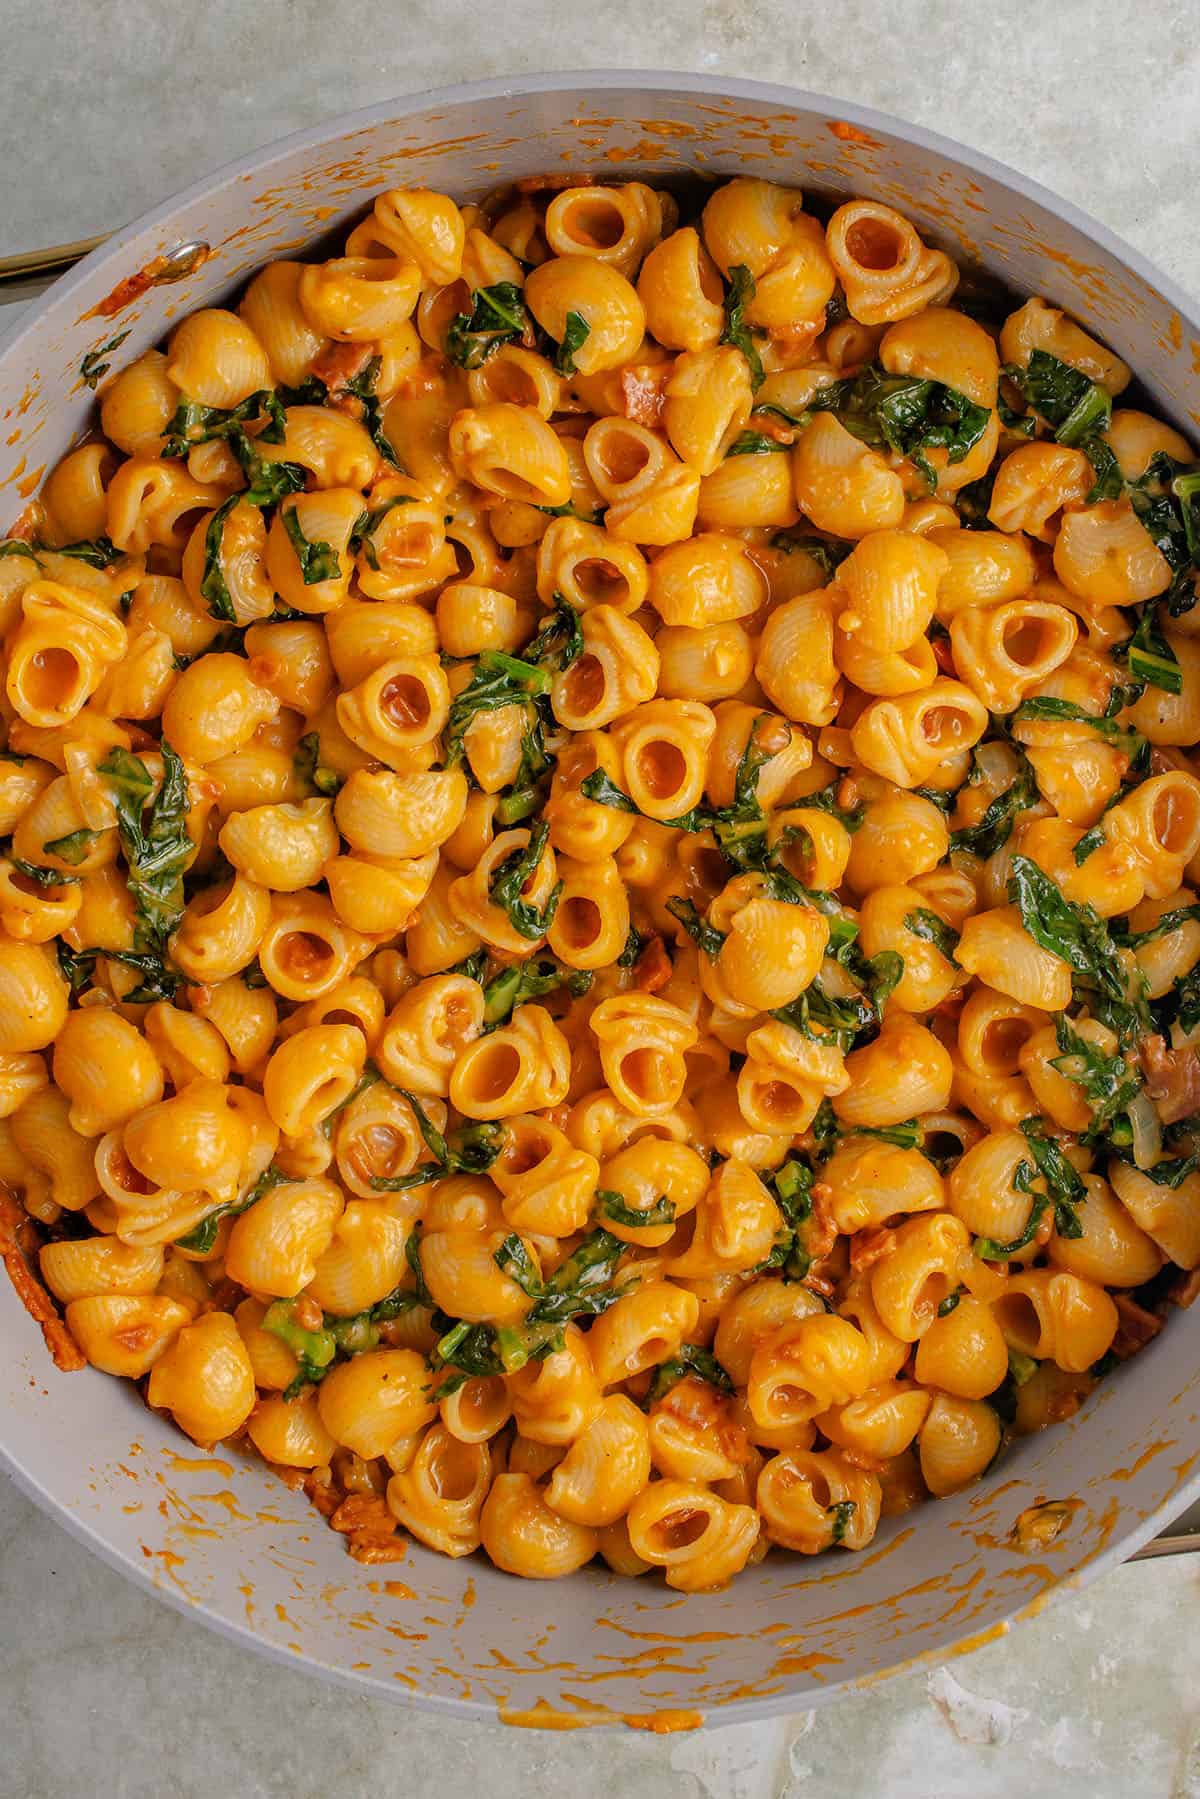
(1186, 1544)
(25, 276)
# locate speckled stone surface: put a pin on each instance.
(112, 106)
(107, 109)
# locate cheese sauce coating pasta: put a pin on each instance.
(599, 839)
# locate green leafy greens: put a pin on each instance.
(1064, 1190)
(501, 680)
(559, 643)
(508, 882)
(92, 370)
(791, 1185)
(201, 1239)
(523, 981)
(738, 295)
(154, 839)
(706, 937)
(310, 769)
(690, 1360)
(363, 386)
(497, 316)
(1078, 936)
(613, 1208)
(318, 560)
(470, 1150)
(213, 586)
(994, 829)
(576, 332)
(907, 415)
(1108, 1083)
(1076, 409)
(931, 929)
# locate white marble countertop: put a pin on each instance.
(110, 108)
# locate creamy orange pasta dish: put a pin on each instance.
(596, 954)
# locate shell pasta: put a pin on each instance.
(599, 849)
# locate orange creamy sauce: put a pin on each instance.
(544, 1716)
(587, 1714)
(851, 134)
